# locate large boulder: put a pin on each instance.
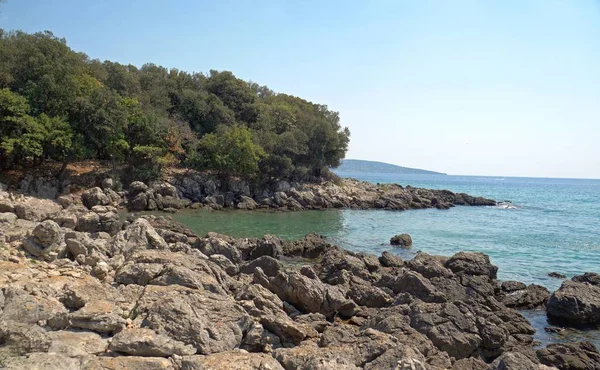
(34, 209)
(7, 219)
(216, 245)
(18, 338)
(524, 297)
(101, 316)
(157, 267)
(190, 316)
(100, 218)
(430, 266)
(137, 187)
(269, 265)
(472, 263)
(414, 284)
(95, 197)
(576, 303)
(46, 241)
(311, 295)
(140, 235)
(591, 278)
(388, 259)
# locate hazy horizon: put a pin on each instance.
(481, 175)
(502, 88)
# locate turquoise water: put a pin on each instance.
(555, 227)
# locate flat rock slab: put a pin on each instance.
(76, 343)
(147, 343)
(232, 360)
(128, 363)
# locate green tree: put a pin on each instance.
(101, 119)
(21, 136)
(235, 93)
(229, 152)
(58, 104)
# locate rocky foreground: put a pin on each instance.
(82, 289)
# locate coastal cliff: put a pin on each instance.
(94, 291)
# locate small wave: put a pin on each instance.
(507, 205)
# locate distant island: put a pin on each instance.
(357, 165)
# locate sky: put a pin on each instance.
(500, 88)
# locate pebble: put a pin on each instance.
(14, 259)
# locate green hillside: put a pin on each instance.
(357, 165)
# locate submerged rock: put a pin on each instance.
(402, 240)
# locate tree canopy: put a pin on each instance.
(58, 104)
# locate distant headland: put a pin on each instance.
(358, 165)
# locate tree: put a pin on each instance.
(21, 136)
(58, 104)
(235, 93)
(101, 119)
(229, 152)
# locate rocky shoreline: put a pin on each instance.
(191, 189)
(82, 289)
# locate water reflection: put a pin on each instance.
(287, 225)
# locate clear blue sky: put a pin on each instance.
(506, 87)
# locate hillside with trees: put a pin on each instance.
(57, 104)
(358, 165)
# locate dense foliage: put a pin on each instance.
(57, 104)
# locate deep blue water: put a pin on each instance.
(554, 227)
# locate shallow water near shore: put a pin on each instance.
(552, 225)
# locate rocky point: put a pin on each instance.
(82, 288)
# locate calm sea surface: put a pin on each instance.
(554, 226)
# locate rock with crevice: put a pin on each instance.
(310, 295)
(189, 316)
(270, 311)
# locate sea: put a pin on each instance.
(543, 225)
